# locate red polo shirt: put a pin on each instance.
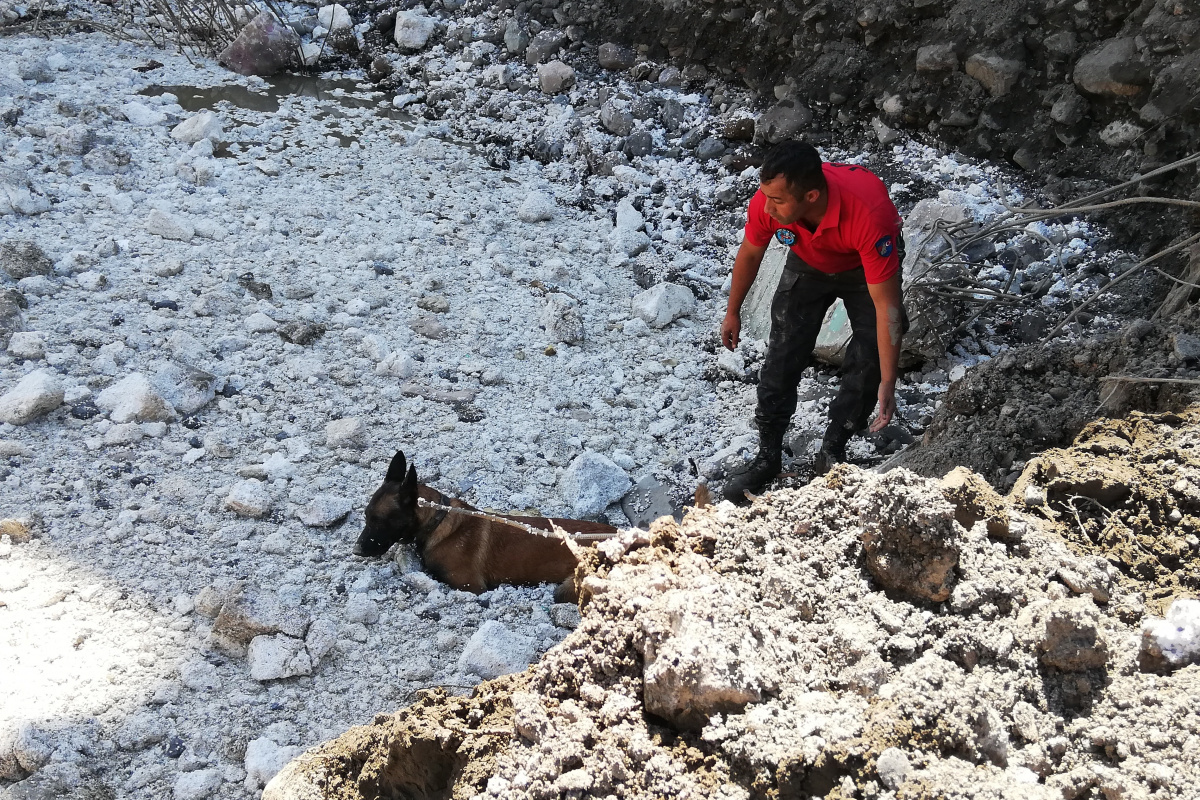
(860, 226)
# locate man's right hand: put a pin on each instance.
(731, 328)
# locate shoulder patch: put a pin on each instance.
(786, 237)
(885, 246)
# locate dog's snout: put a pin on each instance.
(370, 544)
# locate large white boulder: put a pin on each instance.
(661, 305)
(591, 483)
(36, 394)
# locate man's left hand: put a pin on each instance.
(887, 407)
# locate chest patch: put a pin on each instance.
(786, 237)
(884, 247)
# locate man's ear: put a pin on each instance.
(812, 195)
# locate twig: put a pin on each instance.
(1134, 379)
(1096, 295)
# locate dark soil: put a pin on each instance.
(1036, 397)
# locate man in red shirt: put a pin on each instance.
(843, 235)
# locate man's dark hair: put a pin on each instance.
(799, 162)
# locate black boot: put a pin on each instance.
(833, 447)
(759, 473)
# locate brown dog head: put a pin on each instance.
(392, 513)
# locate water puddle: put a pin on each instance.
(266, 100)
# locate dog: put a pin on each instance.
(466, 548)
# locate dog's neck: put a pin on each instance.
(430, 514)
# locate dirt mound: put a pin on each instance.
(1031, 398)
(781, 651)
(1127, 491)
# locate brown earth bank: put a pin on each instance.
(866, 636)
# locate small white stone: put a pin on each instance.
(538, 207)
(591, 483)
(197, 785)
(494, 650)
(362, 609)
(348, 432)
(324, 511)
(265, 758)
(259, 322)
(27, 344)
(36, 394)
(661, 305)
(249, 498)
(91, 281)
(201, 126)
(276, 657)
(334, 17)
(133, 399)
(413, 30)
(169, 226)
(398, 364)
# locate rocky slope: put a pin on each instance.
(864, 636)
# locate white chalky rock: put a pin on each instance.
(562, 320)
(362, 609)
(187, 388)
(200, 676)
(494, 650)
(142, 115)
(893, 767)
(661, 305)
(398, 364)
(133, 399)
(204, 125)
(276, 657)
(91, 281)
(628, 217)
(591, 483)
(278, 466)
(277, 543)
(259, 322)
(27, 344)
(413, 30)
(249, 498)
(169, 226)
(320, 639)
(628, 242)
(348, 432)
(36, 394)
(334, 17)
(197, 785)
(555, 77)
(264, 759)
(538, 207)
(1173, 642)
(324, 511)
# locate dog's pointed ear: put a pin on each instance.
(396, 470)
(409, 489)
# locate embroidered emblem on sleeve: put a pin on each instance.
(786, 237)
(884, 247)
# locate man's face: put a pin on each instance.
(782, 205)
